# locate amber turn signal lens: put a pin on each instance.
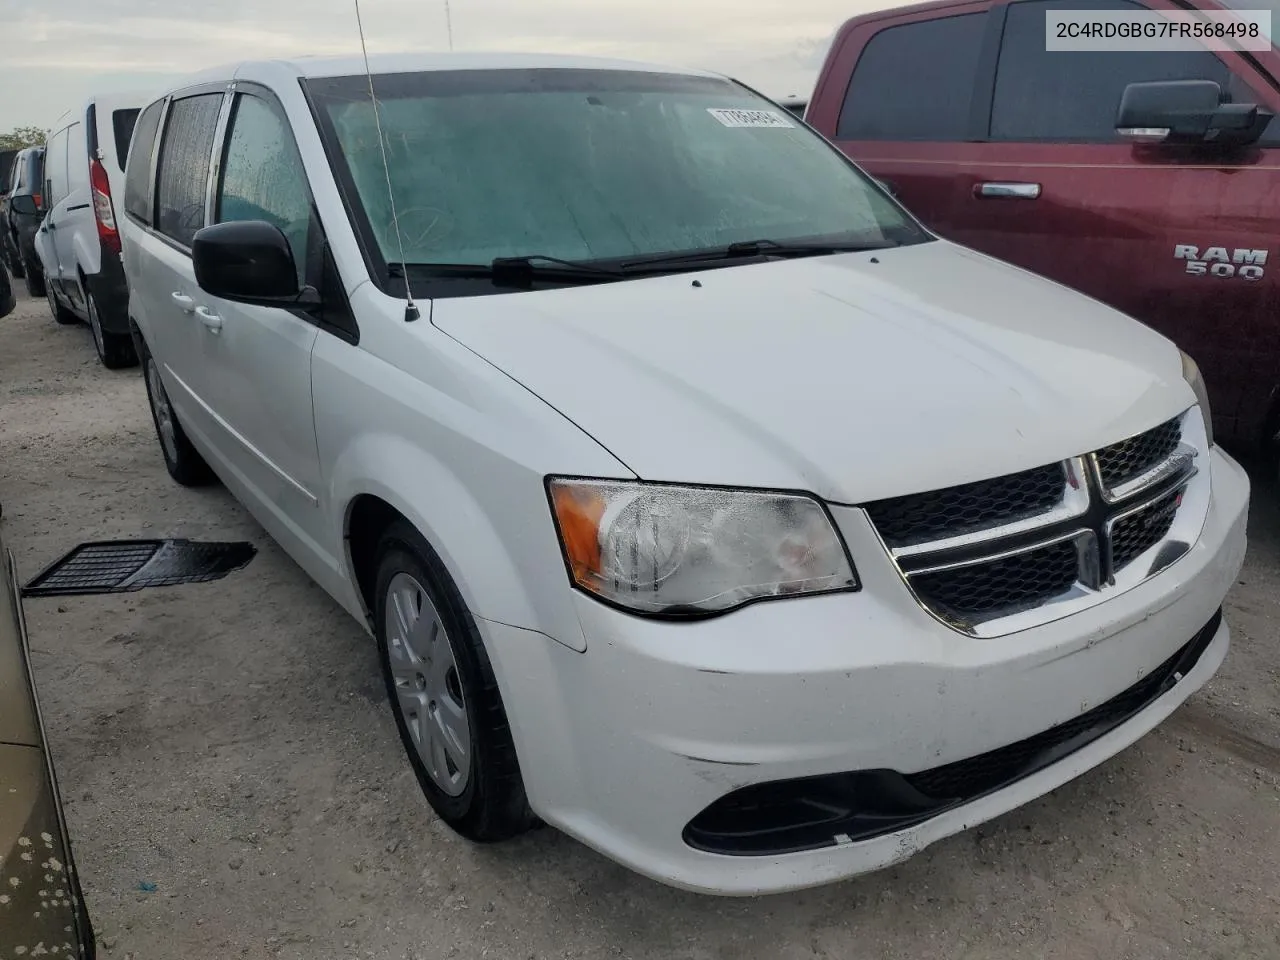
(578, 514)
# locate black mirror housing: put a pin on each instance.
(246, 261)
(1188, 112)
(24, 204)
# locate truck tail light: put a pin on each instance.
(103, 211)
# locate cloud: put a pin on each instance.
(73, 49)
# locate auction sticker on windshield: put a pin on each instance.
(749, 118)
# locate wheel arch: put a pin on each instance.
(381, 479)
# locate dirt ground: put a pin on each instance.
(229, 743)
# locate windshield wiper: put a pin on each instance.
(516, 271)
(749, 249)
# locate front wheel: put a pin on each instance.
(443, 694)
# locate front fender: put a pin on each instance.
(461, 451)
(449, 517)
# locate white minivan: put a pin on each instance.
(78, 243)
(702, 503)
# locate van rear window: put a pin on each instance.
(122, 122)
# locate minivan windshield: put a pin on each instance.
(588, 166)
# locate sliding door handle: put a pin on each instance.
(1017, 191)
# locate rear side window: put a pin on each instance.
(915, 81)
(183, 176)
(1044, 95)
(137, 181)
(122, 122)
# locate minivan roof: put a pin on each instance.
(417, 62)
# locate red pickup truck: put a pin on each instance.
(1161, 199)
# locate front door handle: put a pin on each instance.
(186, 303)
(212, 321)
(1017, 191)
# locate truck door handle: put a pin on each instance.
(211, 320)
(186, 303)
(1018, 191)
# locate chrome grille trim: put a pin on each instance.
(1181, 460)
(1074, 502)
(1087, 513)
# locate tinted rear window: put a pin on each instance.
(914, 81)
(31, 174)
(122, 122)
(6, 167)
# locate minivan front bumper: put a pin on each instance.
(634, 743)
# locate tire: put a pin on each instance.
(60, 313)
(484, 800)
(13, 256)
(181, 459)
(115, 350)
(34, 278)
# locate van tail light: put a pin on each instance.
(103, 212)
(39, 201)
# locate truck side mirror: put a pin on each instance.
(1186, 111)
(23, 204)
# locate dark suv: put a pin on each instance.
(21, 211)
(6, 294)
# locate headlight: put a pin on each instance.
(662, 549)
(1191, 373)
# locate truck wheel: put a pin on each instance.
(443, 693)
(14, 259)
(34, 278)
(115, 350)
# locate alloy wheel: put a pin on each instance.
(428, 690)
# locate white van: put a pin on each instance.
(702, 503)
(78, 243)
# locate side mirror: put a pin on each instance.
(1186, 111)
(24, 204)
(248, 261)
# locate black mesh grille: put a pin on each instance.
(1001, 586)
(972, 506)
(981, 774)
(1141, 531)
(1123, 461)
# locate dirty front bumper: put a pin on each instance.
(797, 742)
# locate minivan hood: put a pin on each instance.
(855, 377)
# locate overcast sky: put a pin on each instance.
(55, 53)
